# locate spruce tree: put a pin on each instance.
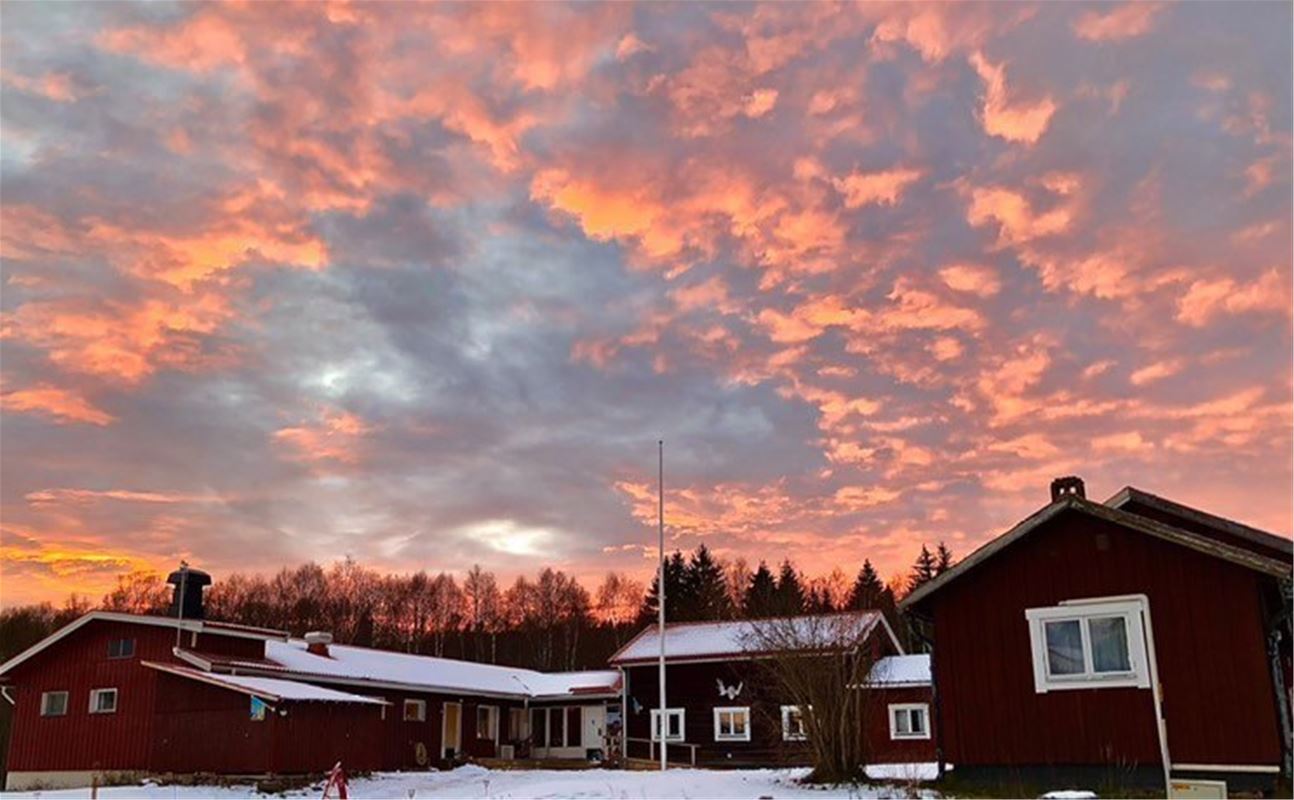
(676, 601)
(923, 570)
(943, 558)
(760, 594)
(867, 591)
(789, 598)
(706, 588)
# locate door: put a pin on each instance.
(595, 729)
(451, 730)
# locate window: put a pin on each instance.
(415, 710)
(556, 728)
(539, 726)
(121, 648)
(909, 721)
(103, 701)
(574, 725)
(487, 722)
(1088, 644)
(673, 724)
(53, 704)
(793, 729)
(732, 724)
(518, 729)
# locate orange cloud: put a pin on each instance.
(335, 439)
(1016, 122)
(63, 405)
(971, 278)
(1014, 214)
(882, 188)
(1207, 299)
(1125, 22)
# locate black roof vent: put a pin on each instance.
(1068, 486)
(187, 600)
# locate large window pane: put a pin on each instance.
(1109, 637)
(1064, 647)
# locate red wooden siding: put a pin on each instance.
(883, 749)
(1208, 628)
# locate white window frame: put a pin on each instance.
(787, 736)
(492, 714)
(1131, 611)
(681, 713)
(421, 705)
(908, 708)
(95, 694)
(44, 703)
(732, 711)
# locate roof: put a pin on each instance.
(1130, 495)
(1135, 522)
(347, 664)
(194, 625)
(274, 690)
(901, 671)
(750, 638)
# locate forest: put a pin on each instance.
(548, 622)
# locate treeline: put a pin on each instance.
(548, 622)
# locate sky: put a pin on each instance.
(424, 285)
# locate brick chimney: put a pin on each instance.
(317, 642)
(1068, 486)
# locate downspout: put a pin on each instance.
(624, 716)
(1156, 690)
(1275, 632)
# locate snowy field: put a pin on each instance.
(478, 782)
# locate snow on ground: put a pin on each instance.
(478, 782)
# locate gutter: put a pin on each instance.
(1156, 688)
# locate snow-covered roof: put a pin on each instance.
(348, 664)
(896, 671)
(272, 689)
(713, 640)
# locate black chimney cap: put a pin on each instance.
(1068, 486)
(186, 602)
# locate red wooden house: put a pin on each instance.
(138, 695)
(1113, 644)
(722, 708)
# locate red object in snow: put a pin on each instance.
(336, 780)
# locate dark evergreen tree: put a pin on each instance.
(760, 594)
(923, 570)
(677, 603)
(943, 558)
(705, 588)
(867, 591)
(818, 601)
(788, 600)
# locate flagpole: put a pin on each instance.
(660, 594)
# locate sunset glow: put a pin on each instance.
(424, 284)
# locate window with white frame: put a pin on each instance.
(103, 701)
(487, 722)
(673, 724)
(1088, 644)
(732, 724)
(909, 721)
(793, 728)
(415, 710)
(121, 648)
(53, 704)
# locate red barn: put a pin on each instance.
(1113, 644)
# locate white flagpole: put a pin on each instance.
(660, 595)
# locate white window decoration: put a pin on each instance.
(1088, 645)
(103, 701)
(732, 724)
(415, 710)
(793, 728)
(909, 721)
(487, 722)
(53, 704)
(673, 724)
